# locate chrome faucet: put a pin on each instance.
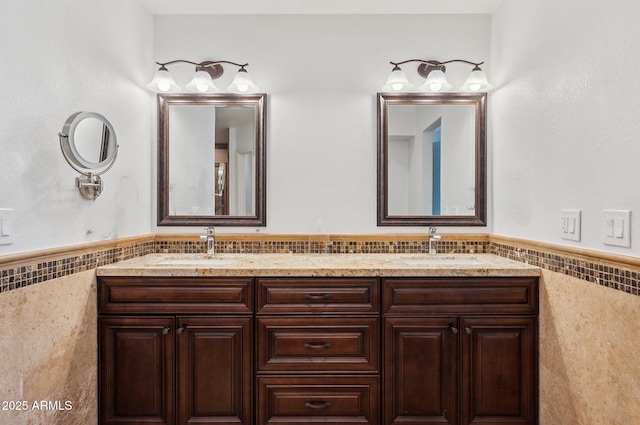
(210, 237)
(433, 238)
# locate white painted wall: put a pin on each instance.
(565, 117)
(321, 74)
(59, 58)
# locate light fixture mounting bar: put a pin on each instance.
(426, 66)
(213, 68)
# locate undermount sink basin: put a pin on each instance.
(205, 262)
(442, 261)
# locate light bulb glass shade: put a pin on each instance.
(397, 81)
(476, 82)
(436, 81)
(242, 83)
(202, 83)
(163, 82)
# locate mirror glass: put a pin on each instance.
(211, 160)
(92, 140)
(90, 143)
(431, 159)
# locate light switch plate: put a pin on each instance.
(7, 226)
(616, 227)
(571, 224)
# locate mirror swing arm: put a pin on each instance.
(89, 184)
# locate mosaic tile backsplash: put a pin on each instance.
(18, 274)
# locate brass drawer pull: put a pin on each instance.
(318, 404)
(326, 345)
(317, 297)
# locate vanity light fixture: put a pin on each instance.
(435, 79)
(202, 81)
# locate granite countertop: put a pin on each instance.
(307, 265)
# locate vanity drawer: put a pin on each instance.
(318, 399)
(327, 344)
(175, 295)
(317, 295)
(494, 295)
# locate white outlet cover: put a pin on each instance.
(7, 226)
(616, 228)
(570, 224)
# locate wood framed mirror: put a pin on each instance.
(431, 159)
(211, 160)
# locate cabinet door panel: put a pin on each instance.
(136, 370)
(500, 374)
(215, 372)
(420, 371)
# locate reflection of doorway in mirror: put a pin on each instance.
(242, 187)
(432, 137)
(221, 194)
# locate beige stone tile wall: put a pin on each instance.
(48, 352)
(589, 353)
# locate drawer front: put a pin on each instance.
(328, 344)
(175, 295)
(461, 295)
(318, 399)
(315, 295)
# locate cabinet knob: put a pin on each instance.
(318, 404)
(317, 296)
(317, 346)
(467, 329)
(165, 330)
(181, 329)
(454, 330)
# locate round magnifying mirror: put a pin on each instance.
(89, 142)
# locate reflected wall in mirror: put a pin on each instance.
(431, 159)
(211, 160)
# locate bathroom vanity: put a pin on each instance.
(340, 339)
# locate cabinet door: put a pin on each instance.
(136, 370)
(499, 379)
(420, 370)
(214, 370)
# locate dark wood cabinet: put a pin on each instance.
(451, 357)
(136, 370)
(266, 351)
(318, 351)
(175, 368)
(214, 374)
(499, 370)
(421, 370)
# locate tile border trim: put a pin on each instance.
(606, 269)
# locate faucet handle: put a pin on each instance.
(209, 232)
(433, 231)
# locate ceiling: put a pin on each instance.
(250, 7)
